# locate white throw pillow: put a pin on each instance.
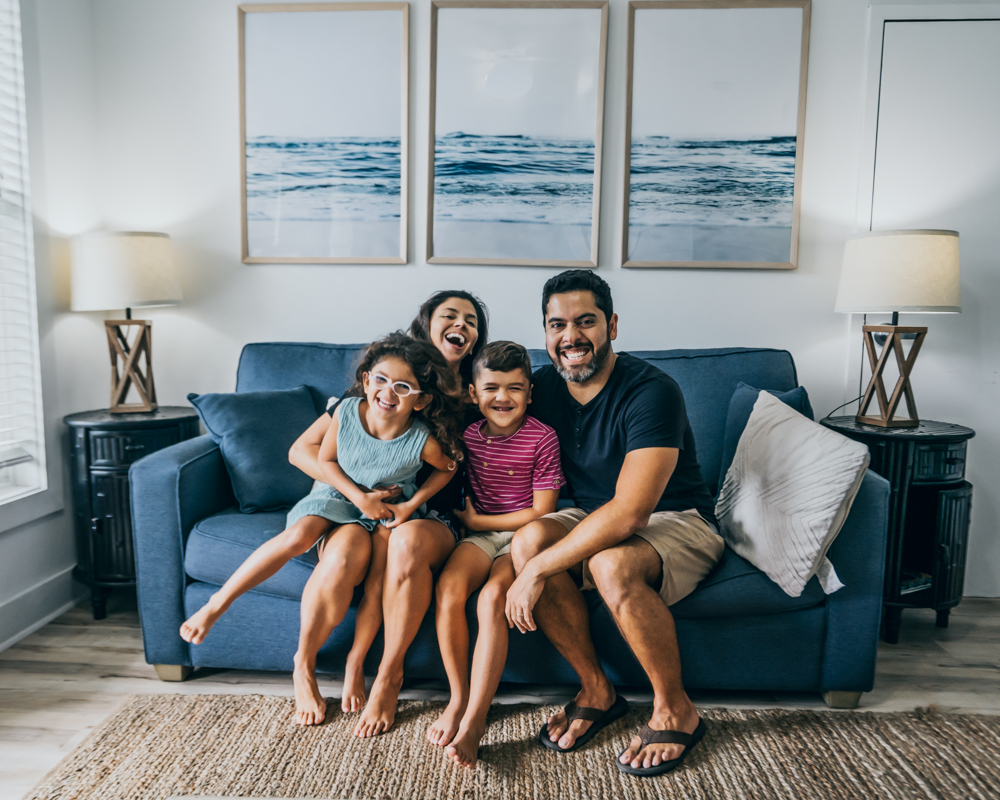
(787, 494)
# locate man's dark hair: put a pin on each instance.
(502, 357)
(579, 280)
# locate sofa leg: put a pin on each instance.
(171, 672)
(836, 699)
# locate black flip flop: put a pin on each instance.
(648, 736)
(598, 716)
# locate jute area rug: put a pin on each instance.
(160, 746)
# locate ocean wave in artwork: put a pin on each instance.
(513, 179)
(712, 181)
(323, 179)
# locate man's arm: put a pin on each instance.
(640, 485)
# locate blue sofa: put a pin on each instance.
(738, 630)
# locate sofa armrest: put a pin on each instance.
(171, 490)
(854, 613)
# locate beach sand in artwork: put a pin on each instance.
(503, 240)
(323, 238)
(709, 243)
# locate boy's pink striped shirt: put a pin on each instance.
(505, 470)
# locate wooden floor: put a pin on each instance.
(59, 683)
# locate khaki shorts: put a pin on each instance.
(493, 543)
(687, 546)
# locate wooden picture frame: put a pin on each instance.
(557, 244)
(356, 233)
(705, 232)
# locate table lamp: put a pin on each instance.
(902, 272)
(126, 270)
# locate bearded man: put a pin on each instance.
(642, 530)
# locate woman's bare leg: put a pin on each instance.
(416, 550)
(467, 569)
(487, 662)
(261, 565)
(342, 565)
(366, 624)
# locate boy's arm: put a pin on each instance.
(544, 502)
(371, 504)
(444, 471)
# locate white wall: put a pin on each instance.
(139, 106)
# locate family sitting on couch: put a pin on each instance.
(441, 410)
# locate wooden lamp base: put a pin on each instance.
(876, 387)
(131, 372)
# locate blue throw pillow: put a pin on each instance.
(255, 431)
(740, 407)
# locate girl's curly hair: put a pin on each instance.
(436, 380)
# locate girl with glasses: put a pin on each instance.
(401, 413)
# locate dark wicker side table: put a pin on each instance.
(102, 448)
(929, 505)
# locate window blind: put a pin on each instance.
(22, 445)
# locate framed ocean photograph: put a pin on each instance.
(714, 122)
(324, 107)
(516, 123)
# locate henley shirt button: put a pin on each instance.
(510, 472)
(485, 464)
(489, 441)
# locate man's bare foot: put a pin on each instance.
(684, 719)
(443, 731)
(196, 627)
(310, 707)
(353, 698)
(602, 697)
(464, 750)
(380, 712)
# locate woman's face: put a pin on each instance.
(454, 329)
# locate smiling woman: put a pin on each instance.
(456, 323)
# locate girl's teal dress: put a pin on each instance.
(370, 463)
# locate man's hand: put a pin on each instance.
(373, 504)
(521, 599)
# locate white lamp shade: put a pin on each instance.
(912, 271)
(123, 270)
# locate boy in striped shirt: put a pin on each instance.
(515, 476)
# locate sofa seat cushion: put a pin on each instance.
(220, 543)
(736, 588)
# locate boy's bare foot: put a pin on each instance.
(464, 750)
(310, 707)
(380, 712)
(443, 731)
(196, 627)
(353, 698)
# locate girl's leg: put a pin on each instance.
(342, 565)
(416, 549)
(261, 565)
(366, 624)
(487, 662)
(466, 570)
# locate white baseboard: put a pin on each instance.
(35, 607)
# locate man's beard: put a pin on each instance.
(584, 372)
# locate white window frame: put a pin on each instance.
(47, 497)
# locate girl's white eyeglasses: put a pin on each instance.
(401, 388)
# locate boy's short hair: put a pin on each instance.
(502, 357)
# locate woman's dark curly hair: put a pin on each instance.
(420, 328)
(436, 380)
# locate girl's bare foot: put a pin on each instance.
(380, 712)
(464, 750)
(310, 707)
(353, 698)
(443, 731)
(196, 627)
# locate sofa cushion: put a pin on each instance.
(255, 431)
(220, 543)
(740, 408)
(736, 588)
